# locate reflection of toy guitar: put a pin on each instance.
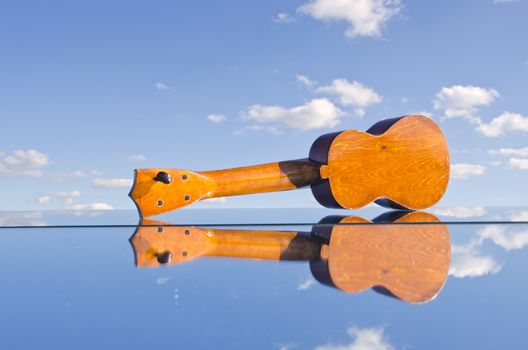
(408, 261)
(401, 162)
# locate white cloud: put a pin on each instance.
(519, 216)
(316, 114)
(96, 173)
(503, 124)
(352, 94)
(306, 283)
(66, 198)
(496, 2)
(44, 200)
(508, 239)
(23, 163)
(362, 339)
(471, 264)
(461, 212)
(24, 218)
(460, 101)
(518, 163)
(162, 86)
(112, 183)
(303, 79)
(271, 129)
(216, 118)
(137, 158)
(61, 177)
(283, 18)
(404, 100)
(464, 170)
(520, 152)
(366, 17)
(219, 200)
(93, 206)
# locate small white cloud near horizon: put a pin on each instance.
(22, 218)
(518, 163)
(218, 200)
(137, 158)
(270, 129)
(497, 2)
(463, 170)
(352, 94)
(112, 183)
(283, 17)
(460, 212)
(23, 163)
(93, 206)
(362, 339)
(61, 177)
(304, 80)
(365, 17)
(459, 101)
(519, 152)
(66, 198)
(316, 114)
(162, 86)
(216, 118)
(503, 124)
(519, 216)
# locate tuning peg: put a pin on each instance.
(163, 177)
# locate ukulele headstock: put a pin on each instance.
(158, 190)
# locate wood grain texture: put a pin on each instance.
(408, 164)
(409, 261)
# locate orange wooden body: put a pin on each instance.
(408, 261)
(400, 163)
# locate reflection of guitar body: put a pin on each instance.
(408, 261)
(401, 162)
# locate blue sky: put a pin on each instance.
(89, 91)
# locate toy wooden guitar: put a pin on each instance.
(408, 261)
(400, 163)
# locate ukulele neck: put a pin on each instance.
(271, 177)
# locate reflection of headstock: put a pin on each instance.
(408, 260)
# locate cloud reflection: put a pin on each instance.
(362, 339)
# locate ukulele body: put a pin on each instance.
(400, 163)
